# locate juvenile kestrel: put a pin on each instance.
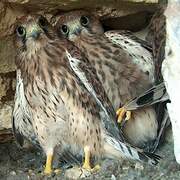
(120, 71)
(65, 99)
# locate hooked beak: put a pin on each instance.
(34, 32)
(77, 31)
(75, 28)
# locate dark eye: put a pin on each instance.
(84, 20)
(64, 29)
(43, 22)
(20, 30)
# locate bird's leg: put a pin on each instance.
(48, 167)
(121, 112)
(87, 157)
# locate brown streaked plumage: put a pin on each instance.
(66, 101)
(157, 40)
(157, 94)
(122, 78)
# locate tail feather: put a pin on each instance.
(162, 127)
(152, 96)
(150, 158)
(118, 149)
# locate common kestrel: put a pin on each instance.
(119, 69)
(64, 97)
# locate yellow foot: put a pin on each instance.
(49, 172)
(88, 168)
(57, 171)
(87, 165)
(48, 167)
(87, 155)
(96, 168)
(121, 112)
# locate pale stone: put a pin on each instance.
(171, 70)
(76, 173)
(5, 116)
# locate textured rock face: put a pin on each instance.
(5, 115)
(114, 15)
(7, 86)
(12, 9)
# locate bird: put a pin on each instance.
(64, 97)
(119, 70)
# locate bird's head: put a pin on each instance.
(72, 24)
(31, 33)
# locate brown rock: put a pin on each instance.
(5, 116)
(7, 86)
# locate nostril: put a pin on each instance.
(77, 31)
(35, 34)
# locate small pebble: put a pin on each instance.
(125, 167)
(113, 177)
(30, 171)
(13, 173)
(57, 171)
(139, 166)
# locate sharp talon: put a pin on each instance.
(92, 170)
(128, 115)
(121, 112)
(96, 168)
(57, 171)
(47, 171)
(87, 165)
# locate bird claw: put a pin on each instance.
(57, 171)
(92, 170)
(121, 112)
(50, 171)
(96, 168)
(86, 167)
(48, 167)
(47, 172)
